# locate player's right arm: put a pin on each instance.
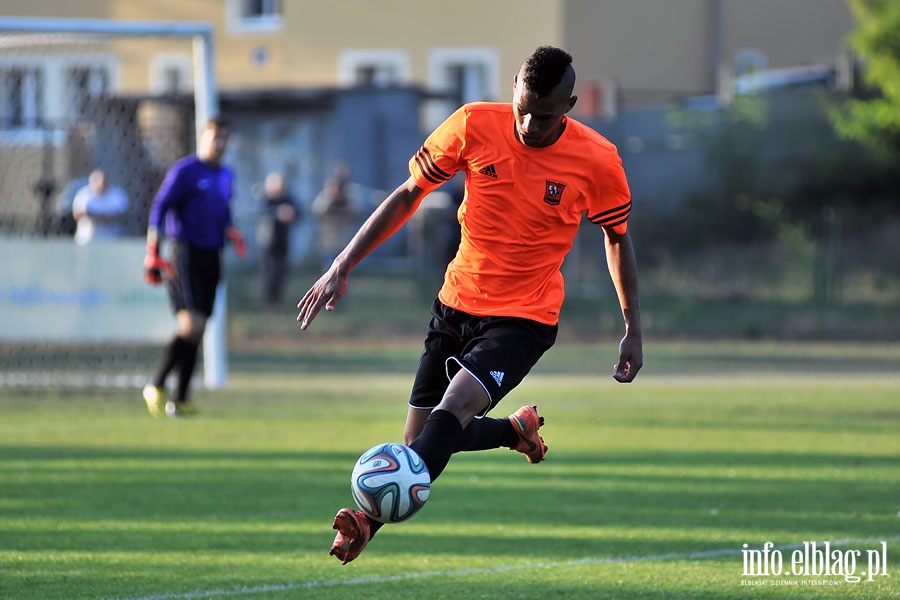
(155, 268)
(384, 222)
(430, 167)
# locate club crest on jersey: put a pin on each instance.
(553, 192)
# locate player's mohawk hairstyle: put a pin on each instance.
(545, 68)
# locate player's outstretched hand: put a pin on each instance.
(631, 359)
(155, 268)
(325, 293)
(237, 240)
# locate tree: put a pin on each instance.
(872, 117)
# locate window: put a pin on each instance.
(461, 75)
(40, 93)
(253, 16)
(466, 82)
(373, 68)
(374, 75)
(171, 73)
(261, 9)
(21, 97)
(84, 83)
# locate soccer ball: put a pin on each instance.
(390, 482)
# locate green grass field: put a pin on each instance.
(648, 491)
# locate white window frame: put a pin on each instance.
(440, 61)
(58, 69)
(30, 94)
(394, 61)
(55, 104)
(240, 24)
(96, 74)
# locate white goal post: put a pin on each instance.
(25, 89)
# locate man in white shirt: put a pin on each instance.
(98, 209)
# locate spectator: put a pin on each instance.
(279, 213)
(98, 209)
(337, 208)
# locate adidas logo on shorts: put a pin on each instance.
(498, 377)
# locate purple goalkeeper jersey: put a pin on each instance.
(194, 201)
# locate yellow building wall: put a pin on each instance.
(792, 33)
(649, 47)
(304, 52)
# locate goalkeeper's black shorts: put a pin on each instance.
(197, 273)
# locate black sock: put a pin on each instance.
(374, 526)
(434, 445)
(186, 370)
(487, 433)
(172, 355)
(438, 439)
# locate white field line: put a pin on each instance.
(377, 579)
(14, 378)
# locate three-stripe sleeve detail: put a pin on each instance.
(613, 216)
(430, 170)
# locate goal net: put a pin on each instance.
(80, 97)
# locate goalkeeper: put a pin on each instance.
(192, 208)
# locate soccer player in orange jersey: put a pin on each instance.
(532, 174)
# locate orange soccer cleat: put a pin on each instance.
(353, 534)
(526, 422)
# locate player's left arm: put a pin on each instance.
(622, 265)
(232, 232)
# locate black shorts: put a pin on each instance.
(197, 272)
(498, 351)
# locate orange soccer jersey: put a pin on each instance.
(521, 209)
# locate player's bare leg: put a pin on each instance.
(415, 422)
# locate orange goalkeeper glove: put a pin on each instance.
(237, 240)
(156, 268)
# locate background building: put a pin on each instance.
(635, 51)
(315, 83)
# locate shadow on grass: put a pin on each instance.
(132, 500)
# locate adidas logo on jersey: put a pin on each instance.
(489, 170)
(497, 375)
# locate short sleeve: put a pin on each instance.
(439, 158)
(610, 205)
